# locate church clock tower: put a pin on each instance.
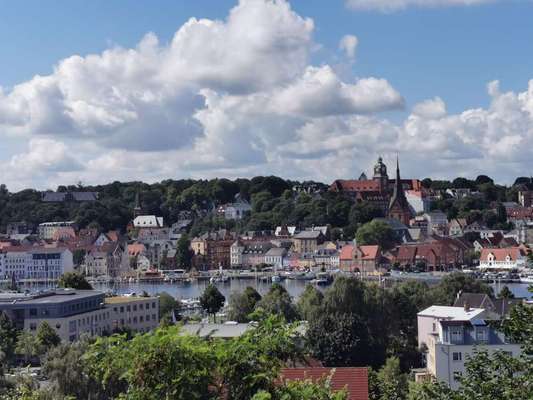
(380, 175)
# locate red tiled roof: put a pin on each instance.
(346, 252)
(358, 186)
(369, 252)
(501, 254)
(354, 380)
(136, 249)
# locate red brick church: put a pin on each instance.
(388, 194)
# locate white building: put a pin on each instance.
(148, 221)
(47, 230)
(40, 263)
(451, 334)
(418, 201)
(502, 259)
(275, 257)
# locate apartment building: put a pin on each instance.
(39, 263)
(451, 335)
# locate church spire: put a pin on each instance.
(137, 209)
(399, 206)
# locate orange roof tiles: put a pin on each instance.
(354, 380)
(501, 254)
(346, 252)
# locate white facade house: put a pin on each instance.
(275, 257)
(39, 263)
(451, 335)
(502, 259)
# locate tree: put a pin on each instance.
(241, 305)
(64, 366)
(27, 346)
(446, 291)
(47, 337)
(78, 257)
(74, 280)
(167, 305)
(278, 302)
(309, 302)
(376, 232)
(253, 362)
(392, 384)
(506, 293)
(161, 365)
(212, 300)
(303, 390)
(8, 338)
(184, 253)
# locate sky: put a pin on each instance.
(305, 89)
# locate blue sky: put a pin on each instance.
(449, 52)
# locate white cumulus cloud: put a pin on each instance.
(348, 44)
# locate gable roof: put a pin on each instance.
(500, 306)
(314, 234)
(356, 185)
(514, 253)
(354, 380)
(346, 252)
(369, 252)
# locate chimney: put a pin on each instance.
(467, 306)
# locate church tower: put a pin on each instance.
(137, 209)
(380, 175)
(399, 206)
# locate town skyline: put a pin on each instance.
(306, 94)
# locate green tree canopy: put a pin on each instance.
(376, 232)
(74, 280)
(212, 300)
(47, 337)
(241, 305)
(278, 302)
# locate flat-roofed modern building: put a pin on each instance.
(73, 313)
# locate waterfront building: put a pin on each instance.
(503, 259)
(73, 313)
(38, 263)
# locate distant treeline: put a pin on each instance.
(274, 202)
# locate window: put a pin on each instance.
(456, 335)
(481, 335)
(33, 326)
(33, 312)
(457, 356)
(457, 375)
